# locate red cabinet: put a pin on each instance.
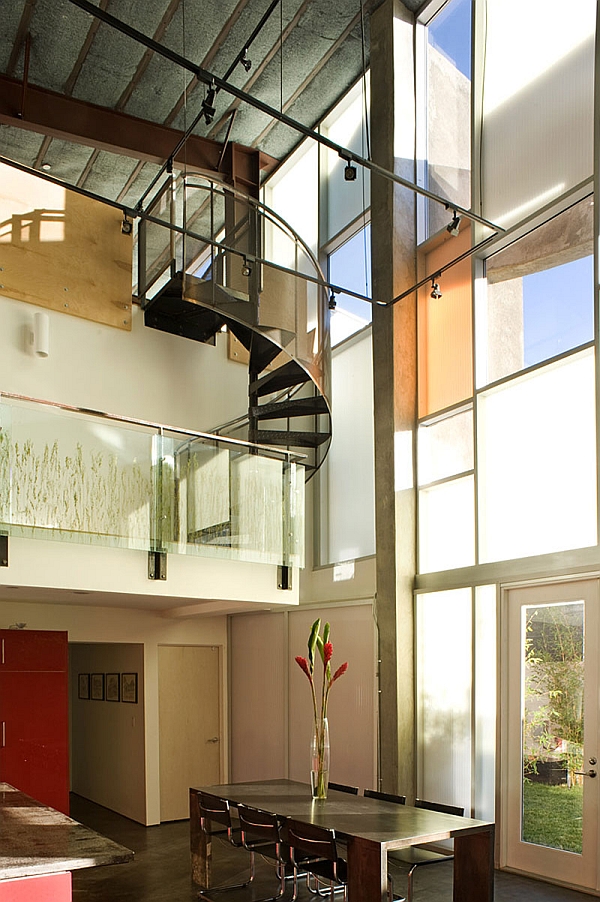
(34, 743)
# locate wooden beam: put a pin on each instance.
(49, 113)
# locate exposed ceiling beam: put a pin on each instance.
(145, 60)
(258, 70)
(75, 120)
(219, 83)
(85, 47)
(20, 36)
(208, 59)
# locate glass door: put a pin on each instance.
(550, 782)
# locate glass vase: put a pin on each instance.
(319, 760)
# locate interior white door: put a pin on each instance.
(550, 782)
(189, 724)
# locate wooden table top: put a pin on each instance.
(388, 824)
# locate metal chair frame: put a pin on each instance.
(343, 787)
(215, 810)
(320, 857)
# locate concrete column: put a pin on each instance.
(394, 373)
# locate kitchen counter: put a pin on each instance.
(36, 840)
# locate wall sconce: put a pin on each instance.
(41, 334)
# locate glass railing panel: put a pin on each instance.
(159, 247)
(73, 477)
(233, 503)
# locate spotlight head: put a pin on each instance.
(126, 225)
(246, 63)
(208, 109)
(454, 226)
(246, 268)
(435, 290)
(350, 173)
(332, 301)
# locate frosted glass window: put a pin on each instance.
(448, 163)
(538, 114)
(293, 193)
(539, 300)
(444, 678)
(484, 783)
(350, 267)
(447, 525)
(445, 446)
(347, 482)
(345, 200)
(537, 461)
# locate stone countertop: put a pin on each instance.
(35, 839)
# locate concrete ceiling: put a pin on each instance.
(59, 64)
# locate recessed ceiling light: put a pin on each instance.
(46, 166)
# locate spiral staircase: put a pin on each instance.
(234, 263)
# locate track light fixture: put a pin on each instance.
(246, 268)
(126, 225)
(332, 301)
(435, 288)
(246, 63)
(453, 227)
(208, 109)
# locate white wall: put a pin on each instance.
(116, 625)
(107, 737)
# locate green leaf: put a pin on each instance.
(312, 640)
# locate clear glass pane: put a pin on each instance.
(448, 171)
(445, 446)
(484, 782)
(552, 650)
(447, 525)
(350, 267)
(540, 296)
(444, 682)
(537, 462)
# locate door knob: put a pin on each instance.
(585, 773)
(216, 739)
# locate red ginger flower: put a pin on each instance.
(303, 665)
(339, 672)
(327, 653)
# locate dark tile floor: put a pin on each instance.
(160, 871)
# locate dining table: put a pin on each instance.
(369, 828)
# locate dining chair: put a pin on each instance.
(215, 821)
(342, 787)
(384, 796)
(414, 857)
(314, 849)
(260, 832)
(397, 800)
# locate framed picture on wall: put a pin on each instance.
(113, 687)
(129, 687)
(97, 686)
(83, 685)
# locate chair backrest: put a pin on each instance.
(438, 806)
(342, 787)
(256, 823)
(384, 796)
(212, 808)
(315, 841)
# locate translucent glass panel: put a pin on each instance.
(539, 300)
(294, 191)
(344, 200)
(447, 525)
(350, 267)
(444, 687)
(537, 462)
(448, 110)
(445, 332)
(347, 484)
(445, 446)
(484, 782)
(68, 476)
(538, 115)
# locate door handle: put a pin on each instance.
(214, 739)
(3, 734)
(586, 773)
